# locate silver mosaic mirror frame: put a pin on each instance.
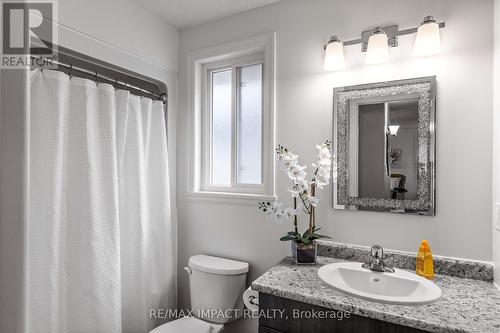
(425, 90)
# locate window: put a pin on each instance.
(233, 117)
(230, 89)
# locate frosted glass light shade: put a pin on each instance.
(428, 40)
(378, 48)
(334, 56)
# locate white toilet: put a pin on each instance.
(216, 285)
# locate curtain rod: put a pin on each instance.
(115, 82)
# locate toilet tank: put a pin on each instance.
(216, 288)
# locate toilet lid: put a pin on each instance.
(217, 265)
(187, 324)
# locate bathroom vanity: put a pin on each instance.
(469, 303)
(304, 317)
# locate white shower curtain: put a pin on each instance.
(100, 246)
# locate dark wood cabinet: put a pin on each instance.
(283, 315)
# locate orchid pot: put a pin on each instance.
(304, 254)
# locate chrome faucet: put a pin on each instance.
(377, 262)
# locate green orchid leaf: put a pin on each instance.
(307, 233)
(305, 240)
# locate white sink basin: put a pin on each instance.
(400, 287)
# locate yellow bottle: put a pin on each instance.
(425, 261)
(420, 259)
(428, 264)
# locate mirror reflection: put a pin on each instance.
(383, 149)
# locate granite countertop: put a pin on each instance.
(466, 305)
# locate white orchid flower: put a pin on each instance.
(275, 214)
(313, 200)
(324, 151)
(295, 191)
(297, 173)
(288, 160)
(305, 185)
(289, 213)
(320, 183)
(324, 173)
(325, 154)
(324, 162)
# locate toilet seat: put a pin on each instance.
(188, 325)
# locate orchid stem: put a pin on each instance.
(295, 216)
(311, 215)
(305, 206)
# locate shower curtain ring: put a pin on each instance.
(95, 79)
(163, 98)
(70, 69)
(116, 83)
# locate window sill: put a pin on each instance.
(242, 199)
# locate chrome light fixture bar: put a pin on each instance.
(392, 34)
(392, 37)
(427, 42)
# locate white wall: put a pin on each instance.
(125, 25)
(462, 226)
(496, 147)
(118, 32)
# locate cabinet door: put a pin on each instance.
(296, 317)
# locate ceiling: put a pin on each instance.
(187, 13)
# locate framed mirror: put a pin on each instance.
(384, 143)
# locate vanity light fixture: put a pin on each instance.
(334, 55)
(376, 43)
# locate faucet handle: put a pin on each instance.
(377, 263)
(377, 252)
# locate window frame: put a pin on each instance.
(191, 104)
(208, 69)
